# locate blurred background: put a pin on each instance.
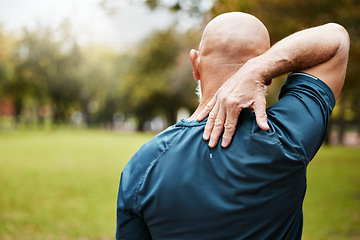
(84, 83)
(123, 64)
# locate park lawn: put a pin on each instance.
(63, 185)
(332, 202)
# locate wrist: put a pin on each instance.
(261, 68)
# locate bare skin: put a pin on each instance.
(321, 51)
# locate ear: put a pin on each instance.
(194, 58)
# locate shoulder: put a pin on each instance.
(301, 83)
(147, 155)
(300, 117)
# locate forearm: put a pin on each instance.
(299, 51)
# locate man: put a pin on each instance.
(178, 187)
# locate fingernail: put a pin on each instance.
(206, 136)
(224, 142)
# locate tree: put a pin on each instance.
(45, 71)
(158, 79)
(7, 43)
(46, 67)
(99, 76)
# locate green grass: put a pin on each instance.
(63, 185)
(332, 202)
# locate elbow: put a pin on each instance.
(341, 36)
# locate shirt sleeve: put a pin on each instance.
(130, 226)
(301, 115)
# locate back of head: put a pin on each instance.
(229, 40)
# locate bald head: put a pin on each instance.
(228, 41)
(234, 38)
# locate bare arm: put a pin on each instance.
(321, 51)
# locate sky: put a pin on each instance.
(91, 23)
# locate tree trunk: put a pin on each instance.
(141, 123)
(327, 139)
(85, 112)
(342, 122)
(171, 116)
(357, 111)
(18, 105)
(59, 114)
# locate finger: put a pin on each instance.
(206, 111)
(210, 122)
(218, 127)
(260, 113)
(232, 116)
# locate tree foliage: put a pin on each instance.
(46, 75)
(46, 69)
(159, 79)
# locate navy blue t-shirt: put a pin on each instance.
(176, 187)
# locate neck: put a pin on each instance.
(212, 78)
(198, 110)
(207, 93)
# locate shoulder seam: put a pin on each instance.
(142, 179)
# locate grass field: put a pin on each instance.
(63, 185)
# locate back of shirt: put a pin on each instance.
(176, 187)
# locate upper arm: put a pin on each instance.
(129, 226)
(333, 71)
(301, 116)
